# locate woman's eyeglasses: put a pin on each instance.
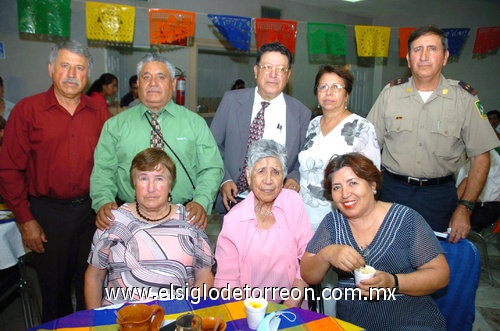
(334, 88)
(267, 69)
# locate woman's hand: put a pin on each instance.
(344, 257)
(427, 279)
(382, 281)
(313, 267)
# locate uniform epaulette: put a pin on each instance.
(467, 87)
(399, 81)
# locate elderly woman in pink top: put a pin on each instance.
(264, 237)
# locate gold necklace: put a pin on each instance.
(260, 211)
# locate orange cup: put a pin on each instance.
(139, 317)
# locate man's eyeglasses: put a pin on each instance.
(280, 70)
(334, 88)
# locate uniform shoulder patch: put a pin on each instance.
(467, 87)
(399, 81)
(480, 109)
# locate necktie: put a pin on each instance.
(256, 133)
(155, 140)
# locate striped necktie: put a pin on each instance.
(156, 134)
(256, 133)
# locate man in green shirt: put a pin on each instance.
(183, 134)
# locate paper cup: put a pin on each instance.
(362, 273)
(255, 308)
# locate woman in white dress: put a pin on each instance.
(336, 132)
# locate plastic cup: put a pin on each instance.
(362, 273)
(255, 308)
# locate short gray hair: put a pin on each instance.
(74, 47)
(155, 57)
(267, 148)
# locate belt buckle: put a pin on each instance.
(77, 201)
(418, 180)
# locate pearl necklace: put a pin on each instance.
(149, 219)
(260, 211)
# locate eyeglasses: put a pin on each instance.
(280, 70)
(334, 88)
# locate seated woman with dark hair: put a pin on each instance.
(264, 236)
(392, 238)
(105, 86)
(150, 244)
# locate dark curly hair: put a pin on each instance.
(362, 166)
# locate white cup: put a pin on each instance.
(362, 273)
(255, 308)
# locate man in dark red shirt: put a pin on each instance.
(45, 166)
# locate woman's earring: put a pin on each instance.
(319, 107)
(169, 197)
(374, 192)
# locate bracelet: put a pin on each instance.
(396, 283)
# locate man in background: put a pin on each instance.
(156, 122)
(494, 118)
(423, 124)
(286, 120)
(45, 165)
(132, 94)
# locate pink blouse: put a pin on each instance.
(246, 255)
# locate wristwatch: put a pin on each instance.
(396, 283)
(468, 204)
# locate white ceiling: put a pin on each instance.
(376, 9)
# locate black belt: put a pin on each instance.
(415, 181)
(71, 202)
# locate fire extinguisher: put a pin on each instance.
(180, 95)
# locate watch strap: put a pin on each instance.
(396, 283)
(468, 204)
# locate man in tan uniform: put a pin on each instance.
(423, 124)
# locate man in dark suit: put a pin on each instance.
(286, 121)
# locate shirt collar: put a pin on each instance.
(169, 108)
(258, 98)
(51, 101)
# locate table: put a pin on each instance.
(232, 311)
(11, 243)
(13, 250)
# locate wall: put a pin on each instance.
(25, 68)
(483, 74)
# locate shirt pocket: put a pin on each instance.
(399, 130)
(446, 136)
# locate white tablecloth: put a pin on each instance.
(11, 243)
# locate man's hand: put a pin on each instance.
(291, 184)
(459, 224)
(228, 192)
(197, 216)
(33, 236)
(101, 221)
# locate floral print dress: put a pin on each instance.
(353, 134)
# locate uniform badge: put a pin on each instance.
(480, 109)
